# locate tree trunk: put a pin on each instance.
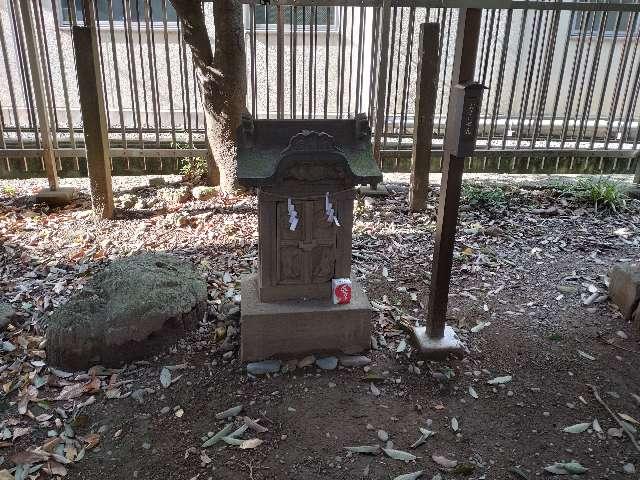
(221, 77)
(213, 172)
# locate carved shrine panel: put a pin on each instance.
(308, 253)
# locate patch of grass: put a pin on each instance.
(477, 195)
(9, 191)
(601, 192)
(563, 188)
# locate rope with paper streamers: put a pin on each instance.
(302, 199)
(293, 213)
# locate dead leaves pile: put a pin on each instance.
(50, 401)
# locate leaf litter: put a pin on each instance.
(68, 391)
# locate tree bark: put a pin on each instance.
(221, 76)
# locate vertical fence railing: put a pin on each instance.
(563, 80)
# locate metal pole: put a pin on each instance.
(280, 61)
(382, 78)
(451, 184)
(38, 92)
(427, 88)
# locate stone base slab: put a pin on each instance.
(380, 190)
(57, 198)
(438, 348)
(298, 328)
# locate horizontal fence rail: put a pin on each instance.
(562, 78)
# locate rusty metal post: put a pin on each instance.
(451, 184)
(94, 117)
(427, 88)
(37, 83)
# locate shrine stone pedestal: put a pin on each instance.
(296, 328)
(305, 172)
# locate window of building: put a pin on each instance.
(136, 7)
(266, 17)
(590, 23)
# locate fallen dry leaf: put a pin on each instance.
(91, 440)
(251, 443)
(443, 461)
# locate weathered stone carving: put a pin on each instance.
(310, 141)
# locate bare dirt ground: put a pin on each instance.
(528, 297)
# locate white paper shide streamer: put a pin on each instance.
(293, 215)
(329, 211)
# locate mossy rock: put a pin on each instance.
(179, 194)
(134, 308)
(203, 192)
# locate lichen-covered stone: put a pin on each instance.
(354, 360)
(127, 201)
(132, 309)
(6, 314)
(202, 192)
(157, 182)
(266, 366)
(624, 288)
(180, 194)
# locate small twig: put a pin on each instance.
(120, 383)
(250, 467)
(615, 417)
(609, 342)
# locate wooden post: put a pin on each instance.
(451, 185)
(382, 80)
(94, 117)
(427, 88)
(636, 178)
(39, 96)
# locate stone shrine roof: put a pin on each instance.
(263, 143)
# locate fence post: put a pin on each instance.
(382, 79)
(94, 117)
(280, 62)
(38, 93)
(427, 88)
(636, 178)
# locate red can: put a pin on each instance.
(341, 288)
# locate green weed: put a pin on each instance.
(477, 195)
(9, 191)
(601, 192)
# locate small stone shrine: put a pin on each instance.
(305, 172)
